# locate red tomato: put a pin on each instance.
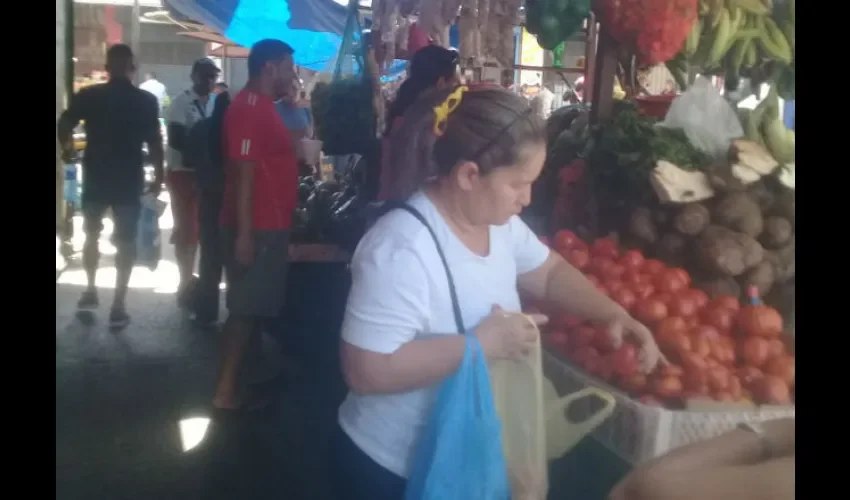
(669, 281)
(634, 383)
(643, 290)
(718, 378)
(682, 305)
(718, 317)
(624, 360)
(700, 345)
(632, 276)
(671, 371)
(601, 266)
(696, 381)
(727, 351)
(772, 390)
(673, 343)
(602, 340)
(665, 297)
(606, 247)
(748, 375)
(632, 260)
(653, 267)
(617, 271)
(706, 331)
(558, 338)
(671, 324)
(777, 348)
(566, 322)
(613, 285)
(578, 258)
(755, 351)
(625, 298)
(582, 337)
(650, 311)
(783, 367)
(735, 387)
(698, 296)
(760, 321)
(603, 370)
(565, 239)
(727, 302)
(584, 354)
(667, 387)
(682, 275)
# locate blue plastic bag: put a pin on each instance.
(148, 244)
(459, 455)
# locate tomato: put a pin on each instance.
(642, 290)
(718, 378)
(650, 311)
(633, 276)
(727, 302)
(653, 267)
(582, 354)
(701, 345)
(632, 260)
(578, 258)
(754, 351)
(669, 281)
(566, 322)
(604, 370)
(650, 400)
(693, 362)
(772, 390)
(776, 348)
(613, 285)
(727, 346)
(624, 360)
(718, 317)
(602, 340)
(748, 375)
(696, 382)
(671, 371)
(699, 297)
(783, 367)
(760, 321)
(735, 387)
(625, 298)
(665, 297)
(682, 305)
(667, 387)
(634, 383)
(682, 275)
(671, 324)
(705, 331)
(605, 247)
(601, 267)
(674, 343)
(565, 239)
(582, 337)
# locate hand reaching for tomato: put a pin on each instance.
(649, 354)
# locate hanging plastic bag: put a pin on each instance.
(534, 425)
(706, 117)
(148, 241)
(459, 455)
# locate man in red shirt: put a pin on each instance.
(259, 199)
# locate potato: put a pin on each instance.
(783, 261)
(777, 232)
(722, 255)
(751, 224)
(785, 205)
(692, 219)
(734, 207)
(762, 276)
(642, 227)
(671, 248)
(753, 251)
(763, 195)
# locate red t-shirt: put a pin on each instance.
(254, 132)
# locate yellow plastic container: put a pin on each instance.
(535, 428)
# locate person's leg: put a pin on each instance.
(93, 212)
(355, 476)
(126, 219)
(184, 206)
(210, 266)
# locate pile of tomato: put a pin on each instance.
(717, 348)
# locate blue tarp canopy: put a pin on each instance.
(314, 28)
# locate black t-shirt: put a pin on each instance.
(119, 118)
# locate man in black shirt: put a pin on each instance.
(119, 118)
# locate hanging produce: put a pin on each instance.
(499, 36)
(654, 29)
(553, 21)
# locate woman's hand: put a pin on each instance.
(649, 355)
(508, 335)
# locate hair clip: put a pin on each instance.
(442, 112)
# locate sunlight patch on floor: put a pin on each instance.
(193, 431)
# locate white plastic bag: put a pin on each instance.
(534, 425)
(708, 120)
(148, 241)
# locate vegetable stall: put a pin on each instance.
(682, 210)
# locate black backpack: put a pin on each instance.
(202, 151)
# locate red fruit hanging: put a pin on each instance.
(656, 29)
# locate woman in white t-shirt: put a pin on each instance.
(478, 150)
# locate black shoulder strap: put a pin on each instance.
(388, 206)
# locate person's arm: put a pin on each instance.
(70, 118)
(153, 138)
(387, 306)
(176, 121)
(243, 145)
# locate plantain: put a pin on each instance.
(720, 42)
(692, 41)
(751, 55)
(737, 55)
(704, 7)
(752, 6)
(780, 141)
(773, 42)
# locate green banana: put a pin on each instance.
(704, 8)
(751, 6)
(692, 41)
(773, 42)
(780, 141)
(720, 42)
(751, 55)
(737, 55)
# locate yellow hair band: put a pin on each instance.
(442, 112)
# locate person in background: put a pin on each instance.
(297, 118)
(260, 196)
(430, 67)
(752, 462)
(119, 118)
(155, 87)
(220, 87)
(210, 179)
(188, 108)
(400, 336)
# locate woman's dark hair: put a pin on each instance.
(490, 127)
(427, 66)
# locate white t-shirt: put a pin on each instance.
(156, 88)
(400, 292)
(185, 110)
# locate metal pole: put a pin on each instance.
(135, 35)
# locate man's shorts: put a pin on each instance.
(184, 206)
(257, 290)
(125, 219)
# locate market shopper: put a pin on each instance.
(749, 463)
(119, 118)
(260, 195)
(297, 118)
(430, 67)
(477, 151)
(187, 109)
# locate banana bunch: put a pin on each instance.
(763, 126)
(742, 38)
